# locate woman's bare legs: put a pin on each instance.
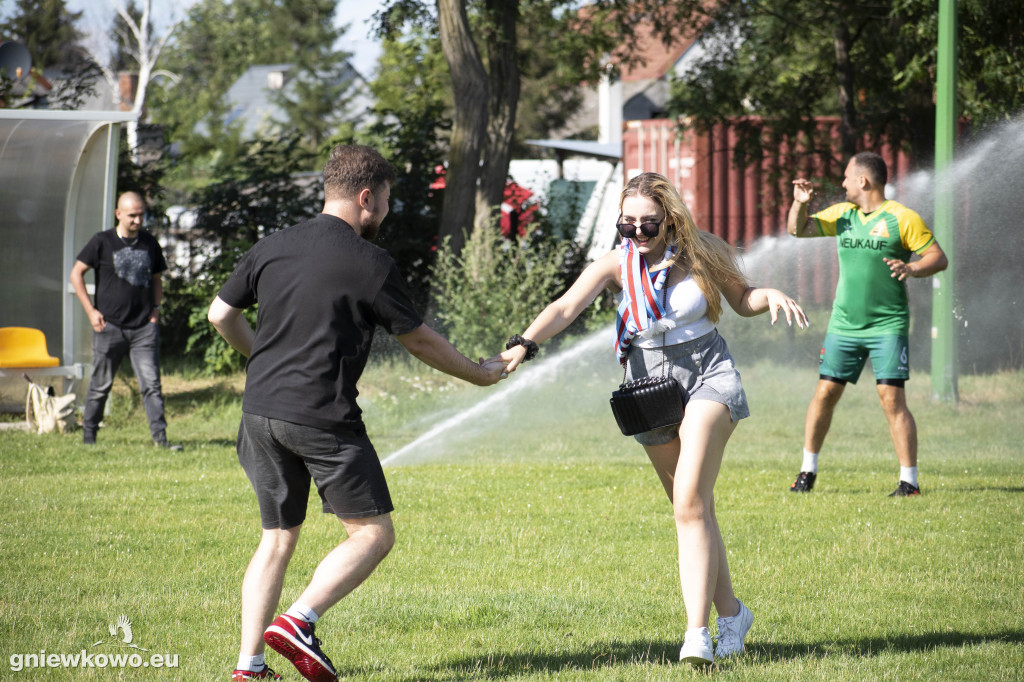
(688, 468)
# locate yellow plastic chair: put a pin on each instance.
(24, 347)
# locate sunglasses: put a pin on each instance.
(648, 228)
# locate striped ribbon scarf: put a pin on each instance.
(640, 306)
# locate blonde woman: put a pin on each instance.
(672, 278)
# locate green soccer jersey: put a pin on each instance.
(869, 300)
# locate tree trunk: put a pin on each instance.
(504, 99)
(469, 128)
(146, 52)
(847, 101)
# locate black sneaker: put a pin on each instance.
(160, 440)
(905, 490)
(804, 482)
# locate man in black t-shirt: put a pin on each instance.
(322, 289)
(125, 316)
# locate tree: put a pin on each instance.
(871, 64)
(121, 59)
(790, 62)
(213, 45)
(550, 92)
(412, 118)
(315, 101)
(479, 40)
(251, 196)
(49, 32)
(990, 79)
(471, 89)
(139, 46)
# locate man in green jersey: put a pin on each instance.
(875, 238)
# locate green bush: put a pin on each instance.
(268, 188)
(496, 286)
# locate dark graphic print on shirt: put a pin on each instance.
(134, 266)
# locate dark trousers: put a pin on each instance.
(108, 349)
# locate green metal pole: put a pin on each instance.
(944, 342)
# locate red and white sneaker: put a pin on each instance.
(265, 674)
(293, 638)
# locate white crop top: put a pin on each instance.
(686, 319)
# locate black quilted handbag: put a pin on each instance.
(647, 403)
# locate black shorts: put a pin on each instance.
(280, 458)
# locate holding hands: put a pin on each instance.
(495, 369)
(519, 349)
(514, 356)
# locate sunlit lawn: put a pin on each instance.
(534, 541)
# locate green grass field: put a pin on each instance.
(534, 542)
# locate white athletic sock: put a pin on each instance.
(302, 611)
(810, 462)
(909, 474)
(251, 663)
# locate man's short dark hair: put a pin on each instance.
(873, 166)
(353, 168)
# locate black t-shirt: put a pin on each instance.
(124, 276)
(322, 290)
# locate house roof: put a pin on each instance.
(249, 100)
(656, 57)
(252, 103)
(650, 57)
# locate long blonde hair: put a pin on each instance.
(710, 260)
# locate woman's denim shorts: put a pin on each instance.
(703, 367)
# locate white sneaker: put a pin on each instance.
(731, 632)
(697, 648)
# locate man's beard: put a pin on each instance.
(371, 231)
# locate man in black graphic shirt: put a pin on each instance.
(125, 315)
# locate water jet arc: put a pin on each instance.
(526, 378)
